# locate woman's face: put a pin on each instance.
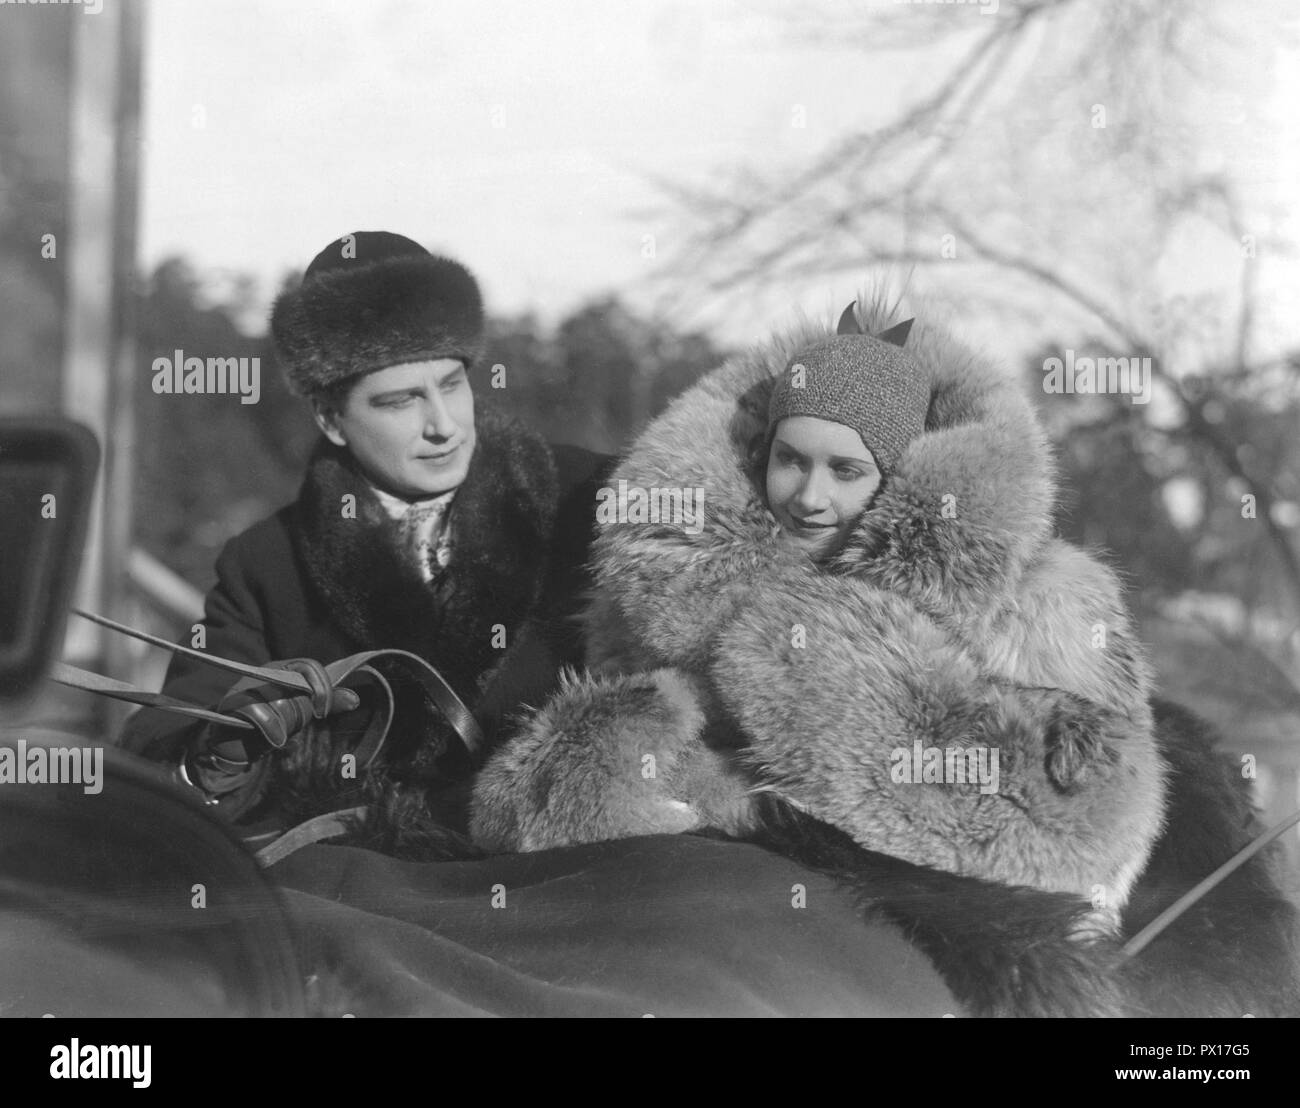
(820, 478)
(410, 427)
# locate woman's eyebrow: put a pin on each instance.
(834, 460)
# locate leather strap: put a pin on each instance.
(433, 684)
(310, 831)
(1142, 939)
(76, 678)
(319, 681)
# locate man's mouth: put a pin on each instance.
(442, 456)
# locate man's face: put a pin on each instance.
(410, 427)
(820, 478)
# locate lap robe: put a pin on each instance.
(662, 925)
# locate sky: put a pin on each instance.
(522, 138)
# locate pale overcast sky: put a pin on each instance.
(513, 136)
(510, 134)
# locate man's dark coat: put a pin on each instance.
(324, 578)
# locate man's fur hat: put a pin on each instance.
(371, 300)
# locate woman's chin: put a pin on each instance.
(816, 544)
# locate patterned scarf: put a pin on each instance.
(423, 529)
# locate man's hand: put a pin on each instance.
(227, 764)
(279, 713)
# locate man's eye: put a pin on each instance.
(453, 383)
(395, 402)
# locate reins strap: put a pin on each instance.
(83, 679)
(431, 682)
(311, 831)
(434, 685)
(284, 677)
(1139, 942)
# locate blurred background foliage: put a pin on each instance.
(211, 467)
(1160, 502)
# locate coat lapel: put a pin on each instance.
(502, 520)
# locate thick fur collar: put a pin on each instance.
(970, 503)
(502, 519)
(952, 529)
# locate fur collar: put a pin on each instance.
(971, 502)
(503, 516)
(952, 529)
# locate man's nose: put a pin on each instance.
(438, 421)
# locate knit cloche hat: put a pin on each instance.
(867, 382)
(371, 300)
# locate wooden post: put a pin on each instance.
(99, 371)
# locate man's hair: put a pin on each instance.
(334, 396)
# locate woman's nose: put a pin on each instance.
(813, 495)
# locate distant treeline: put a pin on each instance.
(209, 466)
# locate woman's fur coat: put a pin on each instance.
(952, 618)
(734, 685)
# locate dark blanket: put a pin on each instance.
(136, 901)
(663, 926)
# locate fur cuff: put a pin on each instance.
(608, 759)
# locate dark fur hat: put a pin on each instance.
(371, 300)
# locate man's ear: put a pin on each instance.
(327, 420)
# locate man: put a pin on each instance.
(422, 525)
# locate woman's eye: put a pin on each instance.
(853, 473)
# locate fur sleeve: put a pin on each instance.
(1068, 628)
(607, 758)
(868, 715)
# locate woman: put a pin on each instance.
(881, 610)
(876, 579)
